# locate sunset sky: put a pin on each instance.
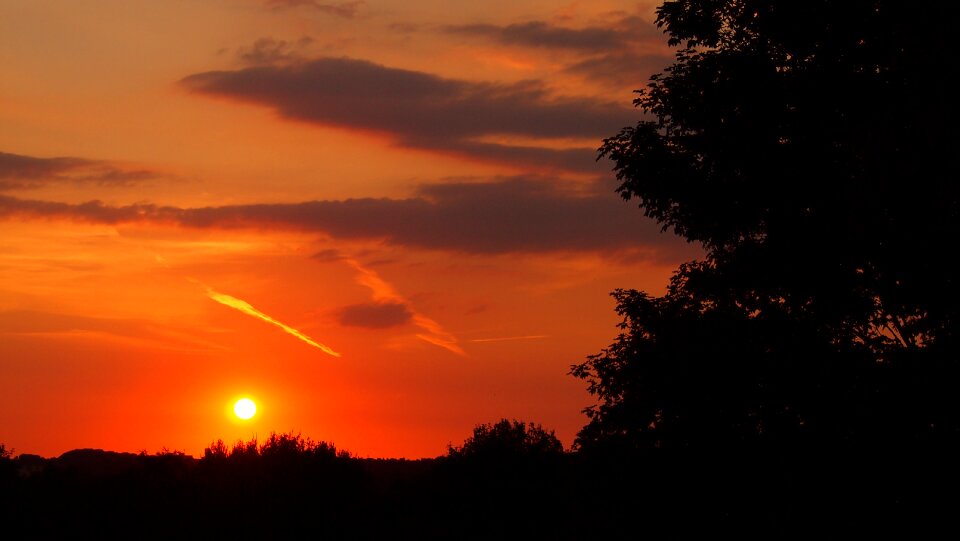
(383, 221)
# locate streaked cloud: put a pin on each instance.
(511, 338)
(625, 50)
(347, 10)
(619, 32)
(246, 308)
(425, 111)
(622, 68)
(510, 215)
(542, 34)
(21, 172)
(384, 293)
(435, 334)
(54, 324)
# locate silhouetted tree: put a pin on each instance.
(7, 468)
(506, 439)
(808, 146)
(216, 451)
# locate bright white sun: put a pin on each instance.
(245, 408)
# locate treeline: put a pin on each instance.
(509, 480)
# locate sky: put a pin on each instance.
(383, 221)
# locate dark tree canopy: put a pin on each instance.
(507, 439)
(808, 146)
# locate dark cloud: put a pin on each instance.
(344, 9)
(267, 51)
(513, 215)
(375, 315)
(19, 172)
(620, 33)
(329, 255)
(624, 52)
(621, 68)
(423, 110)
(541, 34)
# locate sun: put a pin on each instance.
(245, 408)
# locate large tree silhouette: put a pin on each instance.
(808, 146)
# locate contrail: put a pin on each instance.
(246, 308)
(506, 338)
(437, 336)
(382, 291)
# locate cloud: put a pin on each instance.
(510, 215)
(328, 255)
(383, 293)
(625, 51)
(621, 32)
(376, 315)
(50, 324)
(346, 10)
(511, 338)
(422, 110)
(541, 34)
(622, 68)
(22, 172)
(36, 322)
(266, 51)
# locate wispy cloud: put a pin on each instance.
(19, 172)
(346, 10)
(622, 67)
(511, 338)
(268, 50)
(136, 331)
(246, 308)
(623, 50)
(385, 293)
(436, 334)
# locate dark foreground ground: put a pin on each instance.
(568, 496)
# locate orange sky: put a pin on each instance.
(203, 200)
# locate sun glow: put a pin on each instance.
(245, 408)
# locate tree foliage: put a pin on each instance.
(807, 146)
(507, 439)
(277, 447)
